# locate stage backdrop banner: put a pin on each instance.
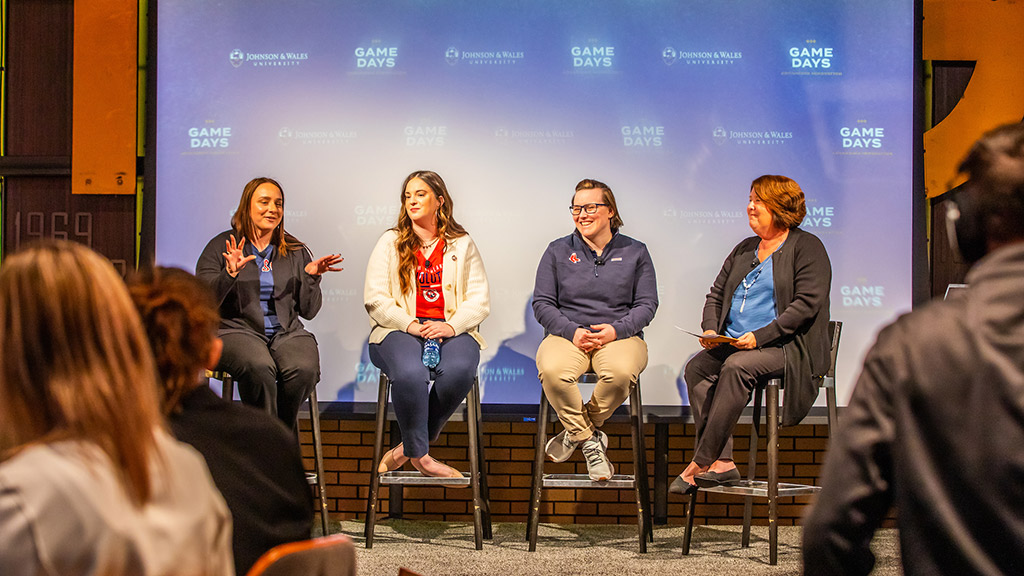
(677, 106)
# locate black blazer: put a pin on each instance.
(296, 293)
(802, 275)
(256, 465)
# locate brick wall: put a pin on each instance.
(348, 449)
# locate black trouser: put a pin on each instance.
(719, 382)
(276, 375)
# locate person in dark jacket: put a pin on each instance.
(253, 458)
(594, 293)
(935, 425)
(273, 359)
(771, 299)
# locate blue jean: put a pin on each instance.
(423, 410)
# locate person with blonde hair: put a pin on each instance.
(90, 480)
(425, 286)
(253, 458)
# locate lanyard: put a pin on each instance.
(747, 287)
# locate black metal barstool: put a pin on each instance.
(771, 489)
(477, 478)
(638, 481)
(315, 479)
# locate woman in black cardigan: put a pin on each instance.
(772, 298)
(273, 359)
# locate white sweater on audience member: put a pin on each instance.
(63, 511)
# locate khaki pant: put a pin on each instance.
(560, 364)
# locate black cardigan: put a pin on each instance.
(296, 293)
(802, 275)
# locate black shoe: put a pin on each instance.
(712, 479)
(680, 486)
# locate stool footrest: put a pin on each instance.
(759, 488)
(418, 478)
(584, 481)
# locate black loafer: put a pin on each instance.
(713, 479)
(680, 486)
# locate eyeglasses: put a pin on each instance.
(588, 208)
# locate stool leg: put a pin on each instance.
(636, 429)
(485, 493)
(748, 501)
(538, 473)
(690, 507)
(227, 390)
(772, 406)
(645, 477)
(378, 453)
(318, 454)
(833, 411)
(473, 421)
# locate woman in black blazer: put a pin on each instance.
(272, 357)
(772, 298)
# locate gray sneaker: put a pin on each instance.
(598, 465)
(560, 447)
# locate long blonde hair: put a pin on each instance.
(75, 361)
(408, 243)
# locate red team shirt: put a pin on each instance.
(429, 296)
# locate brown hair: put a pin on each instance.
(408, 243)
(606, 196)
(995, 167)
(180, 316)
(243, 226)
(75, 361)
(783, 198)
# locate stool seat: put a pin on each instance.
(315, 478)
(638, 481)
(476, 479)
(771, 489)
(411, 478)
(583, 481)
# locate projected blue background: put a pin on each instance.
(677, 106)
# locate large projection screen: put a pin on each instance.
(676, 105)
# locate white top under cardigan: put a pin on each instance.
(467, 299)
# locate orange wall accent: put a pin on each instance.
(105, 97)
(991, 33)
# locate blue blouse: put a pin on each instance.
(753, 302)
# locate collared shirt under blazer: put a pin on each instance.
(463, 280)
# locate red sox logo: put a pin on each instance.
(574, 258)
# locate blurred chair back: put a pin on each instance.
(330, 556)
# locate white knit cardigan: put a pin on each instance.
(467, 299)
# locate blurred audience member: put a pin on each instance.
(91, 483)
(936, 422)
(253, 458)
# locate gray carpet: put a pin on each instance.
(436, 548)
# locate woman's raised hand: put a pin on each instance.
(234, 258)
(324, 264)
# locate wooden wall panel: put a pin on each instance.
(38, 125)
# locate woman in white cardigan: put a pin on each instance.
(425, 281)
